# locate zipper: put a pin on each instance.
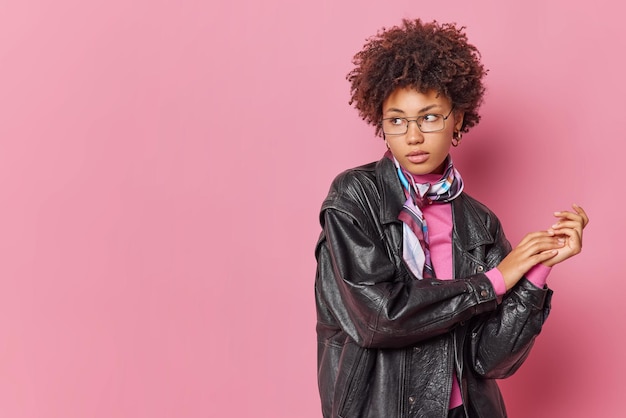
(458, 373)
(403, 406)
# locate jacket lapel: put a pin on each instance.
(469, 230)
(392, 196)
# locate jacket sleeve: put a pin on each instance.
(377, 302)
(501, 340)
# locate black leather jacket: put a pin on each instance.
(387, 342)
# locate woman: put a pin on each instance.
(421, 301)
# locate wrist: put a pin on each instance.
(548, 264)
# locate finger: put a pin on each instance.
(572, 234)
(564, 223)
(535, 239)
(544, 256)
(573, 239)
(582, 214)
(535, 235)
(567, 215)
(566, 233)
(539, 258)
(540, 244)
(567, 224)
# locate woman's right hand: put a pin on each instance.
(533, 249)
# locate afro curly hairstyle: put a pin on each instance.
(423, 56)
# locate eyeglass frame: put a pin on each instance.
(416, 119)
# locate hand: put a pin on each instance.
(534, 248)
(570, 229)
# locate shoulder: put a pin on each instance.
(352, 186)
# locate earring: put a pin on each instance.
(456, 138)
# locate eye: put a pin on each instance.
(396, 121)
(431, 117)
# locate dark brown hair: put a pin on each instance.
(423, 56)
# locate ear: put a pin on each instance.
(458, 120)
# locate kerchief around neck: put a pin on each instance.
(422, 190)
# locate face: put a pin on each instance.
(420, 153)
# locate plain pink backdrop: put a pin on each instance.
(161, 168)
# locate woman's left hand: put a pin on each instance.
(570, 228)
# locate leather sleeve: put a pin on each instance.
(501, 340)
(377, 303)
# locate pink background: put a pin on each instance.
(161, 168)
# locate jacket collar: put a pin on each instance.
(391, 194)
(469, 228)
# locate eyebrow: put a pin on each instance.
(422, 110)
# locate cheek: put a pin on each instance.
(443, 147)
(397, 151)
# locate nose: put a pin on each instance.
(413, 134)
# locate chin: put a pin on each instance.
(423, 170)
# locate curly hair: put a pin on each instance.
(423, 56)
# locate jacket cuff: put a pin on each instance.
(538, 298)
(482, 289)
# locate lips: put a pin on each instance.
(417, 157)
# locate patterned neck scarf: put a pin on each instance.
(416, 250)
